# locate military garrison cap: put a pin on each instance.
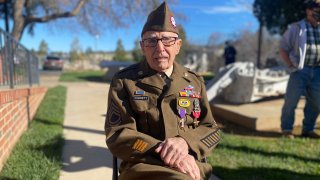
(310, 4)
(161, 19)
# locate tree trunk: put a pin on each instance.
(18, 20)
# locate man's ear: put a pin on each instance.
(179, 44)
(142, 47)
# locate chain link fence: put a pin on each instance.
(18, 66)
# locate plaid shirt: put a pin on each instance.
(313, 45)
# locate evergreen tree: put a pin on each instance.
(43, 48)
(76, 51)
(43, 51)
(277, 14)
(120, 53)
(185, 45)
(136, 52)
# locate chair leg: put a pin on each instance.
(115, 168)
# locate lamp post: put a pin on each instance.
(96, 42)
(260, 39)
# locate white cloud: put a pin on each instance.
(232, 7)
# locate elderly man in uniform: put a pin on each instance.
(159, 120)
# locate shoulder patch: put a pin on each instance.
(113, 115)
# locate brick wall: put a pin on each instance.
(17, 107)
(1, 74)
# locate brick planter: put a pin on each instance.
(17, 108)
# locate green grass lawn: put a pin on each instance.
(207, 76)
(248, 157)
(81, 76)
(37, 155)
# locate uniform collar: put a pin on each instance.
(180, 78)
(149, 76)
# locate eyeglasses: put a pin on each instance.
(316, 15)
(166, 41)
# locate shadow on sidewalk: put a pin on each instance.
(84, 130)
(83, 157)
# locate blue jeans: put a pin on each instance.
(305, 81)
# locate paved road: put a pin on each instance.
(49, 78)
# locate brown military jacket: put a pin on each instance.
(143, 111)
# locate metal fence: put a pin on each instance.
(18, 66)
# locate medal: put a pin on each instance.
(182, 114)
(196, 103)
(181, 123)
(196, 114)
(196, 123)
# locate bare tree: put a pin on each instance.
(247, 47)
(215, 38)
(92, 15)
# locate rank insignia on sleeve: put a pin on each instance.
(113, 115)
(212, 139)
(140, 145)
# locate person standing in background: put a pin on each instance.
(300, 50)
(229, 53)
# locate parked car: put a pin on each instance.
(53, 62)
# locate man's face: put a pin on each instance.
(160, 54)
(313, 15)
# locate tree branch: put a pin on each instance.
(47, 18)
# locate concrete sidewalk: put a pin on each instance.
(85, 155)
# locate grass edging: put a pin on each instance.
(38, 153)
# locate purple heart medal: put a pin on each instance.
(182, 114)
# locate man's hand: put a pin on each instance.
(189, 166)
(173, 150)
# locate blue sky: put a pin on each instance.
(204, 17)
